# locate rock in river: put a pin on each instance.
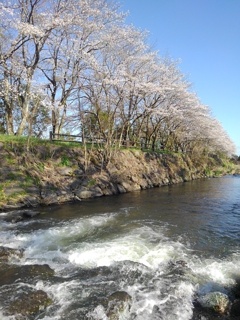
(117, 303)
(29, 304)
(14, 273)
(6, 253)
(215, 301)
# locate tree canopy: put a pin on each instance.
(76, 66)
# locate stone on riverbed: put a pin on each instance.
(29, 304)
(235, 308)
(20, 215)
(6, 253)
(118, 303)
(215, 301)
(14, 273)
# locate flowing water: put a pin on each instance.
(162, 246)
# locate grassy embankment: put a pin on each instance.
(29, 166)
(23, 159)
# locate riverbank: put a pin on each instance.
(53, 174)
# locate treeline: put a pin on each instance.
(75, 66)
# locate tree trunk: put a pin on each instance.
(8, 106)
(25, 114)
(9, 118)
(25, 100)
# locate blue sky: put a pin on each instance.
(205, 36)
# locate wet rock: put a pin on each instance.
(179, 270)
(7, 253)
(20, 215)
(32, 201)
(129, 272)
(236, 289)
(118, 303)
(85, 194)
(30, 214)
(205, 315)
(97, 192)
(215, 301)
(14, 273)
(107, 187)
(130, 186)
(92, 273)
(49, 198)
(29, 304)
(178, 267)
(157, 314)
(121, 272)
(235, 308)
(121, 188)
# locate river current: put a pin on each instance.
(137, 243)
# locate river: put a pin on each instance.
(161, 246)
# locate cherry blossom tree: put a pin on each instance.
(54, 37)
(78, 62)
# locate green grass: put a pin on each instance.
(65, 161)
(28, 182)
(2, 194)
(218, 173)
(12, 176)
(41, 166)
(33, 141)
(208, 172)
(19, 139)
(91, 183)
(10, 159)
(12, 140)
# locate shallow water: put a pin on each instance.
(162, 246)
